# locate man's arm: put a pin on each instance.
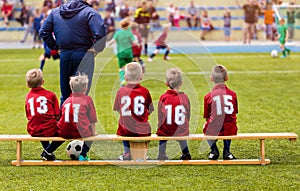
(96, 24)
(46, 33)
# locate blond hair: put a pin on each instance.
(34, 78)
(219, 74)
(174, 78)
(133, 72)
(79, 83)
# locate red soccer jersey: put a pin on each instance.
(220, 109)
(173, 114)
(160, 41)
(137, 49)
(42, 109)
(134, 104)
(78, 112)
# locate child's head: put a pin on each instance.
(34, 78)
(167, 27)
(125, 23)
(219, 74)
(281, 21)
(174, 78)
(134, 26)
(133, 72)
(79, 83)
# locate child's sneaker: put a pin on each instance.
(228, 156)
(186, 156)
(125, 156)
(214, 155)
(167, 58)
(288, 52)
(150, 60)
(48, 156)
(162, 157)
(82, 158)
(283, 56)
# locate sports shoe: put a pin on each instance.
(228, 156)
(167, 58)
(282, 56)
(288, 52)
(125, 156)
(214, 155)
(186, 156)
(48, 156)
(150, 60)
(162, 157)
(82, 158)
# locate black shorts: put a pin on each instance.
(145, 30)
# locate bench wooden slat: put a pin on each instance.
(106, 137)
(148, 162)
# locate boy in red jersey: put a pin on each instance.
(161, 44)
(137, 48)
(78, 115)
(42, 112)
(220, 109)
(173, 114)
(134, 104)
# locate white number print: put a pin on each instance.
(76, 108)
(179, 117)
(42, 109)
(228, 106)
(138, 105)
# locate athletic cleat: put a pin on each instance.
(167, 58)
(228, 156)
(282, 56)
(186, 156)
(125, 156)
(162, 157)
(150, 60)
(214, 155)
(48, 156)
(82, 158)
(288, 52)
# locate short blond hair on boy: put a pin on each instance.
(79, 83)
(34, 78)
(219, 74)
(133, 72)
(174, 78)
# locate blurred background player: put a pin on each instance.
(42, 112)
(124, 39)
(78, 115)
(220, 109)
(283, 38)
(160, 43)
(134, 104)
(173, 114)
(137, 48)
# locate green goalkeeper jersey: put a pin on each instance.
(282, 29)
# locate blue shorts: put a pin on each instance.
(227, 31)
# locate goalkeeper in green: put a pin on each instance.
(283, 37)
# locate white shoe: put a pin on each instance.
(150, 60)
(167, 58)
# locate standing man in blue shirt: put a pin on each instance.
(79, 33)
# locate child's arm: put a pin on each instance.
(111, 42)
(93, 128)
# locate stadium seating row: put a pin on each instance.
(143, 152)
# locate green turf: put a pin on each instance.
(268, 93)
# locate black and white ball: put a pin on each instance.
(74, 149)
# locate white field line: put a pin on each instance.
(186, 73)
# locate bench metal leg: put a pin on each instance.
(262, 152)
(19, 153)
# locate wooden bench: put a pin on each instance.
(112, 137)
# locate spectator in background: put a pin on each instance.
(110, 6)
(177, 17)
(58, 3)
(206, 25)
(192, 15)
(171, 12)
(291, 21)
(28, 24)
(109, 22)
(125, 11)
(6, 12)
(38, 17)
(227, 25)
(154, 19)
(142, 18)
(25, 15)
(48, 3)
(251, 12)
(268, 20)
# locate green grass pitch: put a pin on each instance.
(268, 93)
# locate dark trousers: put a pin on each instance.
(71, 63)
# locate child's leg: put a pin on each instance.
(53, 146)
(42, 64)
(154, 53)
(162, 147)
(226, 152)
(45, 144)
(86, 148)
(282, 50)
(126, 147)
(184, 146)
(167, 53)
(214, 154)
(227, 145)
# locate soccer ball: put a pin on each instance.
(74, 149)
(274, 53)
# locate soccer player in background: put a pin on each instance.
(173, 114)
(137, 48)
(220, 109)
(42, 112)
(283, 37)
(134, 104)
(78, 115)
(124, 39)
(160, 43)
